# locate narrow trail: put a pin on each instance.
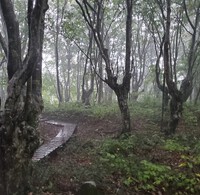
(62, 137)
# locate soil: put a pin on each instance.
(48, 131)
(87, 127)
(73, 159)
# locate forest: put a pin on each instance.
(99, 97)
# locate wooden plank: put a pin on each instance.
(63, 136)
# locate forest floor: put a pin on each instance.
(88, 131)
(94, 152)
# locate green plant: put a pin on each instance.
(190, 161)
(154, 177)
(174, 145)
(121, 145)
(183, 182)
(41, 178)
(147, 108)
(104, 111)
(196, 148)
(117, 158)
(189, 115)
(150, 175)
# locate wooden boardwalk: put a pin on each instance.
(64, 134)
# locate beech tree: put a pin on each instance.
(121, 89)
(170, 46)
(60, 96)
(88, 72)
(18, 126)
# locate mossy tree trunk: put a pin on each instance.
(18, 135)
(122, 97)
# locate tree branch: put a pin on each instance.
(14, 42)
(3, 45)
(186, 13)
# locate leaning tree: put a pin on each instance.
(18, 134)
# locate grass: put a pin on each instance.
(97, 111)
(128, 164)
(144, 163)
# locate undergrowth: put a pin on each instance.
(149, 108)
(144, 163)
(140, 173)
(97, 111)
(128, 164)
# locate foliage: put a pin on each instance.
(97, 111)
(42, 177)
(147, 107)
(48, 176)
(114, 151)
(151, 175)
(189, 115)
(173, 145)
(104, 111)
(145, 162)
(196, 148)
(121, 157)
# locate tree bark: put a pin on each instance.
(78, 77)
(122, 97)
(59, 93)
(175, 111)
(18, 135)
(86, 91)
(100, 86)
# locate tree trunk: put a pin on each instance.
(122, 98)
(18, 135)
(176, 95)
(135, 93)
(59, 93)
(68, 77)
(197, 97)
(86, 93)
(86, 90)
(176, 107)
(100, 87)
(86, 97)
(78, 78)
(108, 94)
